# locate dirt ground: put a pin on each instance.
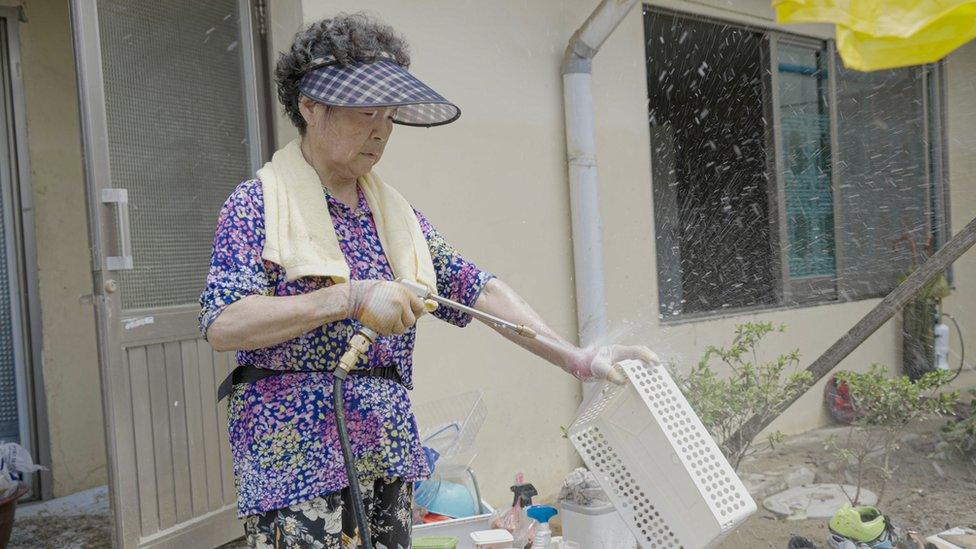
(926, 494)
(69, 532)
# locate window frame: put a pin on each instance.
(801, 292)
(813, 289)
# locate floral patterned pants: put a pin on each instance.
(328, 522)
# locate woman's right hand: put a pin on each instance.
(387, 308)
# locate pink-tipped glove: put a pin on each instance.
(593, 363)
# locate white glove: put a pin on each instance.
(594, 363)
(383, 306)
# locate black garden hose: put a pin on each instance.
(359, 510)
(358, 345)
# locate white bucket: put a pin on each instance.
(597, 527)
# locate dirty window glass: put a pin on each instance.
(805, 126)
(885, 183)
(753, 207)
(709, 143)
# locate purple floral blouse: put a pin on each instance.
(282, 433)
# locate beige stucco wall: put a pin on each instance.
(961, 119)
(69, 358)
(495, 183)
(285, 19)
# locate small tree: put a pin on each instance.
(886, 406)
(752, 387)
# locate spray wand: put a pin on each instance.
(422, 292)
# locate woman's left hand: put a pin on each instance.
(594, 363)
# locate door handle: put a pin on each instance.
(120, 197)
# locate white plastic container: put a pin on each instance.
(457, 528)
(492, 539)
(595, 527)
(657, 463)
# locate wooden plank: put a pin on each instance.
(869, 323)
(142, 426)
(194, 427)
(159, 406)
(125, 484)
(211, 530)
(144, 327)
(177, 430)
(211, 434)
(226, 362)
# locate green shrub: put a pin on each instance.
(745, 387)
(887, 405)
(961, 433)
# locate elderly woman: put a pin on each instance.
(306, 254)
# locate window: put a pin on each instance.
(806, 179)
(709, 146)
(780, 177)
(884, 173)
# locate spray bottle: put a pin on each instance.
(541, 514)
(941, 344)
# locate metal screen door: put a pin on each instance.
(15, 424)
(168, 100)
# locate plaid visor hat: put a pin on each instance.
(380, 83)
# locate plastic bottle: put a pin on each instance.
(941, 346)
(541, 514)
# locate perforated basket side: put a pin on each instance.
(725, 494)
(597, 403)
(627, 495)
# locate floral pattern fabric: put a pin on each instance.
(282, 430)
(328, 522)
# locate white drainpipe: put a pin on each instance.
(591, 310)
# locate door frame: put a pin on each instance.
(118, 328)
(107, 304)
(34, 425)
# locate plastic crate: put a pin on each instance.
(659, 466)
(458, 528)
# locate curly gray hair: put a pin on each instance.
(350, 38)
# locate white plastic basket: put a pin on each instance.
(659, 466)
(451, 425)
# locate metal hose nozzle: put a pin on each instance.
(358, 345)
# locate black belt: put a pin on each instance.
(251, 374)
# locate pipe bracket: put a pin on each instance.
(576, 65)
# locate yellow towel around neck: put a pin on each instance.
(299, 234)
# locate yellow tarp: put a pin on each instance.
(883, 34)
